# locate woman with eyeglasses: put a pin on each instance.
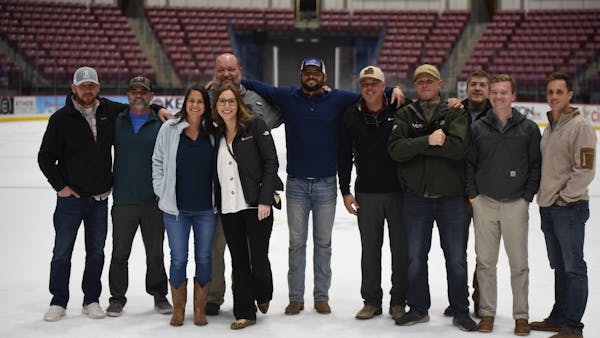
(245, 183)
(182, 176)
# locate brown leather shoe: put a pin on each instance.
(397, 311)
(294, 307)
(368, 312)
(322, 306)
(545, 325)
(522, 327)
(567, 334)
(486, 324)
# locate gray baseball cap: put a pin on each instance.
(85, 74)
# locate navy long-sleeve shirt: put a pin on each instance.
(311, 126)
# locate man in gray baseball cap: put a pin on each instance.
(76, 158)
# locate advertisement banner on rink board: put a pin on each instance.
(537, 112)
(40, 105)
(24, 105)
(6, 105)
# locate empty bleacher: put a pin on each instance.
(57, 38)
(532, 45)
(413, 37)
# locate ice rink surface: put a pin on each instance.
(27, 235)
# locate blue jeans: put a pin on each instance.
(303, 196)
(178, 233)
(564, 230)
(68, 215)
(450, 215)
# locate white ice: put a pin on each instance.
(27, 235)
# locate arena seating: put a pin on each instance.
(531, 45)
(412, 37)
(194, 36)
(57, 38)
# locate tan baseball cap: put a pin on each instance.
(371, 72)
(427, 69)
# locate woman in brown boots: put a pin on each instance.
(246, 180)
(182, 176)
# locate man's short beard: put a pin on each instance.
(139, 106)
(312, 88)
(80, 100)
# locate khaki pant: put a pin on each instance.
(508, 220)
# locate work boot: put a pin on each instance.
(179, 296)
(545, 325)
(368, 312)
(522, 327)
(567, 334)
(322, 306)
(486, 324)
(200, 297)
(294, 307)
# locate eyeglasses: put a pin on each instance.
(230, 102)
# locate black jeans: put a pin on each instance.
(248, 242)
(126, 219)
(374, 210)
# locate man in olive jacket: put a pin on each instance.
(429, 140)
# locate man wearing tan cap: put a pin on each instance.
(134, 202)
(363, 137)
(429, 142)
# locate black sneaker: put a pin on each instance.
(212, 309)
(449, 312)
(162, 305)
(412, 318)
(114, 309)
(464, 322)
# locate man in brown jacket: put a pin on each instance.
(568, 148)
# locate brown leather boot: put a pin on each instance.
(179, 299)
(200, 298)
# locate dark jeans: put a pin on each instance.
(248, 243)
(126, 219)
(68, 215)
(564, 230)
(450, 215)
(374, 210)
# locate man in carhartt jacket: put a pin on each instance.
(429, 140)
(502, 175)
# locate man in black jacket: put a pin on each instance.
(75, 156)
(364, 132)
